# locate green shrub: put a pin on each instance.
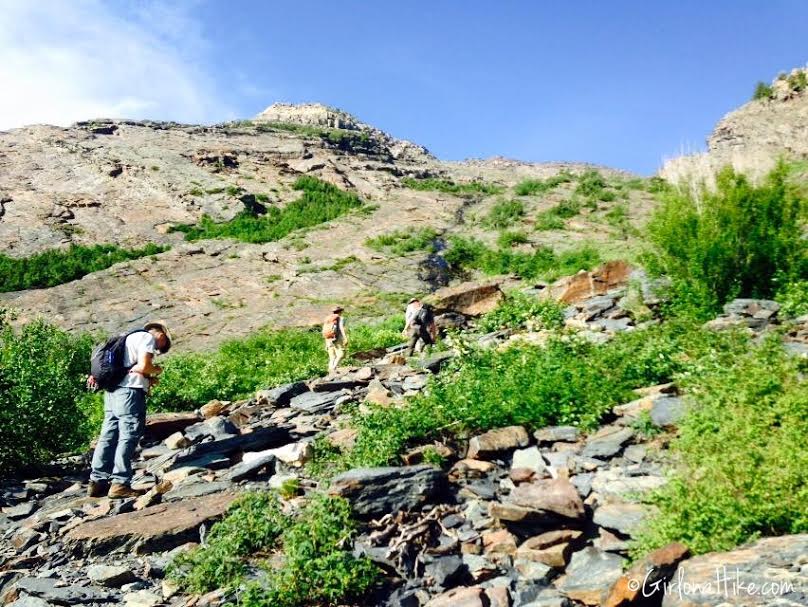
(43, 404)
(740, 240)
(763, 91)
(518, 310)
(793, 298)
(318, 567)
(553, 219)
(265, 359)
(58, 266)
(471, 254)
(531, 187)
(591, 184)
(319, 203)
(744, 466)
(508, 239)
(799, 81)
(504, 214)
(447, 186)
(401, 242)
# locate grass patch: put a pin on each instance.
(508, 239)
(519, 311)
(504, 213)
(320, 202)
(744, 466)
(401, 242)
(447, 186)
(466, 254)
(533, 187)
(555, 218)
(58, 266)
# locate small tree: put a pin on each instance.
(763, 91)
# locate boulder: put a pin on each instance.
(377, 491)
(315, 402)
(607, 442)
(162, 425)
(152, 529)
(771, 563)
(553, 434)
(529, 458)
(552, 548)
(113, 576)
(590, 574)
(460, 597)
(214, 408)
(583, 285)
(540, 500)
(250, 466)
(625, 518)
(496, 442)
(49, 590)
(667, 411)
(643, 582)
(468, 298)
(260, 438)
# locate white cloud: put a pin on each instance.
(68, 60)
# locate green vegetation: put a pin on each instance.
(401, 242)
(265, 359)
(567, 381)
(763, 91)
(504, 213)
(315, 565)
(447, 186)
(740, 240)
(798, 81)
(509, 239)
(591, 184)
(793, 298)
(518, 310)
(320, 202)
(43, 405)
(58, 266)
(343, 138)
(554, 219)
(470, 254)
(744, 470)
(532, 187)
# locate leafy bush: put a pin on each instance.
(471, 254)
(504, 213)
(447, 186)
(798, 81)
(744, 470)
(591, 184)
(567, 381)
(509, 239)
(518, 310)
(320, 202)
(793, 298)
(58, 266)
(531, 187)
(740, 240)
(265, 359)
(553, 219)
(401, 242)
(42, 396)
(763, 91)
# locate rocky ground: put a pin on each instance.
(512, 519)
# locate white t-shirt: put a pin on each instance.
(137, 344)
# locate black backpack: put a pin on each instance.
(423, 316)
(106, 363)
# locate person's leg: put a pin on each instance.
(332, 355)
(412, 343)
(103, 456)
(130, 407)
(339, 354)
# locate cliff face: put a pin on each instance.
(754, 136)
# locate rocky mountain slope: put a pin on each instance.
(127, 182)
(752, 137)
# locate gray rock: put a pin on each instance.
(667, 411)
(249, 468)
(415, 382)
(110, 575)
(45, 588)
(315, 402)
(217, 427)
(590, 573)
(376, 491)
(282, 395)
(479, 567)
(547, 598)
(435, 362)
(529, 458)
(198, 489)
(258, 439)
(29, 601)
(607, 443)
(20, 511)
(444, 571)
(624, 518)
(583, 483)
(635, 453)
(553, 434)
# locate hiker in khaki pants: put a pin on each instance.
(336, 339)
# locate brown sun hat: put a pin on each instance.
(337, 309)
(160, 326)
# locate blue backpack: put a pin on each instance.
(106, 363)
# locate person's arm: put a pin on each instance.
(145, 365)
(343, 331)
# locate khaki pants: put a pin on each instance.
(336, 352)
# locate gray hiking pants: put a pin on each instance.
(124, 421)
(419, 332)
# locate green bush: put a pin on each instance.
(763, 91)
(799, 81)
(591, 184)
(567, 381)
(553, 219)
(504, 214)
(740, 240)
(508, 239)
(744, 466)
(58, 266)
(471, 254)
(447, 186)
(518, 310)
(793, 298)
(265, 359)
(319, 203)
(42, 398)
(401, 242)
(531, 187)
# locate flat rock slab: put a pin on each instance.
(624, 518)
(495, 442)
(162, 425)
(376, 491)
(280, 396)
(152, 529)
(667, 411)
(110, 575)
(608, 442)
(540, 500)
(46, 589)
(260, 438)
(191, 490)
(315, 402)
(770, 561)
(590, 574)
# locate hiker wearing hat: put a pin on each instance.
(419, 326)
(124, 367)
(336, 339)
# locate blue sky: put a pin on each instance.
(621, 83)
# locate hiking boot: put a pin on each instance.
(97, 489)
(119, 491)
